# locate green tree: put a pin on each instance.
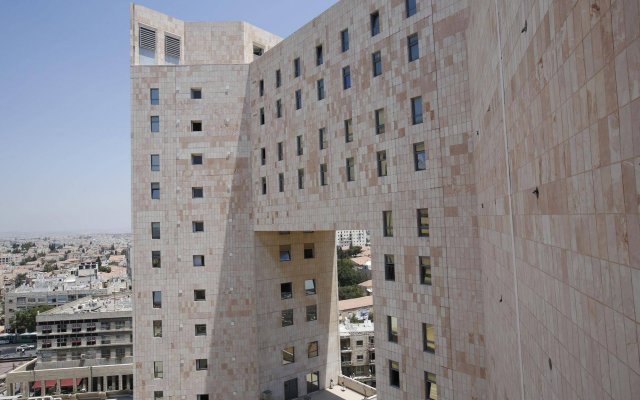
(106, 268)
(20, 279)
(351, 292)
(25, 320)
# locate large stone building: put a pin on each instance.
(491, 149)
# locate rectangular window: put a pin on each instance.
(157, 299)
(201, 330)
(155, 190)
(301, 178)
(429, 338)
(288, 355)
(120, 352)
(261, 115)
(319, 55)
(431, 388)
(351, 169)
(299, 145)
(280, 151)
(201, 364)
(197, 193)
(278, 108)
(197, 226)
(423, 222)
(411, 7)
(322, 135)
(381, 157)
(312, 349)
(281, 182)
(158, 395)
(155, 123)
(413, 47)
(155, 162)
(155, 96)
(389, 267)
(419, 156)
(312, 313)
(263, 183)
(155, 230)
(199, 295)
(157, 328)
(424, 263)
(202, 397)
(416, 110)
(198, 261)
(105, 353)
(156, 259)
(196, 93)
(379, 117)
(344, 40)
(287, 317)
(320, 89)
(296, 67)
(196, 126)
(171, 50)
(348, 130)
(387, 224)
(323, 174)
(312, 382)
(375, 23)
(298, 99)
(377, 63)
(196, 159)
(394, 373)
(278, 78)
(346, 77)
(285, 253)
(309, 250)
(263, 156)
(286, 290)
(310, 287)
(261, 87)
(147, 46)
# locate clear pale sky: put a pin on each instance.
(64, 104)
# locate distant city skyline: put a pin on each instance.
(64, 125)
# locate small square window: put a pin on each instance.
(344, 40)
(301, 178)
(413, 46)
(155, 96)
(389, 267)
(196, 159)
(392, 329)
(285, 253)
(155, 190)
(351, 171)
(155, 230)
(287, 317)
(196, 126)
(155, 123)
(381, 158)
(280, 151)
(319, 55)
(157, 370)
(423, 222)
(281, 182)
(197, 192)
(310, 287)
(199, 295)
(157, 299)
(379, 117)
(196, 94)
(323, 174)
(198, 261)
(429, 338)
(309, 250)
(201, 330)
(298, 99)
(348, 130)
(156, 260)
(155, 162)
(158, 395)
(286, 290)
(198, 226)
(420, 156)
(157, 328)
(312, 349)
(296, 67)
(288, 355)
(201, 364)
(312, 313)
(416, 110)
(346, 78)
(424, 263)
(258, 51)
(387, 224)
(377, 63)
(375, 23)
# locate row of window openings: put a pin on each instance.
(156, 297)
(78, 355)
(201, 364)
(311, 314)
(196, 159)
(200, 329)
(422, 217)
(90, 327)
(159, 395)
(424, 269)
(374, 19)
(420, 163)
(147, 47)
(431, 387)
(428, 334)
(289, 353)
(77, 341)
(154, 95)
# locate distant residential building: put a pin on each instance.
(85, 345)
(352, 238)
(360, 308)
(357, 351)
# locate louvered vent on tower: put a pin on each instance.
(147, 39)
(172, 47)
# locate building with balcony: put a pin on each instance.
(358, 351)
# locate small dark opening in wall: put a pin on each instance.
(257, 50)
(550, 364)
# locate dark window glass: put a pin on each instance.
(196, 159)
(387, 224)
(424, 263)
(394, 373)
(392, 329)
(319, 55)
(198, 261)
(202, 397)
(298, 99)
(281, 182)
(322, 135)
(287, 317)
(416, 110)
(197, 193)
(155, 96)
(299, 145)
(199, 295)
(155, 123)
(201, 330)
(375, 23)
(348, 130)
(379, 115)
(351, 171)
(264, 184)
(278, 108)
(286, 290)
(201, 364)
(320, 89)
(155, 190)
(382, 162)
(377, 63)
(419, 156)
(423, 222)
(196, 126)
(344, 40)
(389, 267)
(411, 7)
(196, 94)
(308, 250)
(323, 174)
(346, 77)
(312, 313)
(280, 151)
(261, 115)
(261, 87)
(312, 381)
(263, 156)
(296, 67)
(278, 78)
(156, 259)
(301, 178)
(197, 226)
(413, 47)
(155, 230)
(157, 299)
(285, 253)
(157, 328)
(155, 162)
